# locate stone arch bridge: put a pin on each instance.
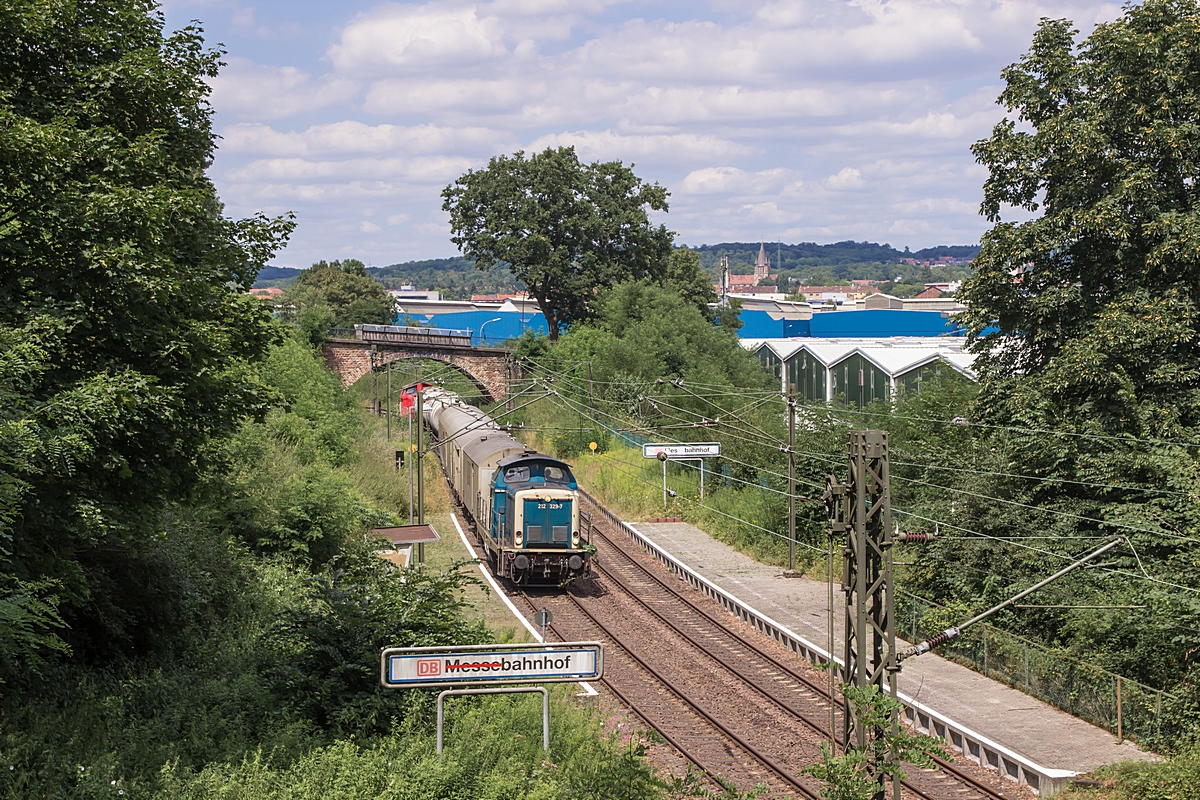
(489, 368)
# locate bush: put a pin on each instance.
(324, 647)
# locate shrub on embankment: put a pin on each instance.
(272, 688)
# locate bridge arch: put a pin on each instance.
(487, 368)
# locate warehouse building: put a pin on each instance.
(859, 371)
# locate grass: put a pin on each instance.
(1174, 778)
(632, 486)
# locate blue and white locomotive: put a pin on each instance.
(523, 506)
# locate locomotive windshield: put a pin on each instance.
(537, 471)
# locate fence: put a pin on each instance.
(1125, 707)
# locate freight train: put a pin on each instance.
(523, 506)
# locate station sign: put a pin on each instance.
(563, 662)
(690, 450)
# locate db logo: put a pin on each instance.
(429, 667)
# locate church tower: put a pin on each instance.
(762, 267)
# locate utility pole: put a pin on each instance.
(374, 381)
(389, 401)
(508, 385)
(411, 459)
(862, 509)
(420, 459)
(791, 409)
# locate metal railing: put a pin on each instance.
(1124, 706)
(404, 334)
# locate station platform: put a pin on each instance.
(1037, 732)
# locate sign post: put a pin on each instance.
(681, 452)
(543, 618)
(501, 667)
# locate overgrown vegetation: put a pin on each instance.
(189, 603)
(863, 772)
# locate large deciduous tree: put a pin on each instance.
(565, 229)
(1086, 314)
(124, 318)
(338, 294)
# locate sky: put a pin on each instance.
(791, 120)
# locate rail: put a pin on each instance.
(1043, 781)
(947, 769)
(779, 771)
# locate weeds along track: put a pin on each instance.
(743, 693)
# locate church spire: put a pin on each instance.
(762, 267)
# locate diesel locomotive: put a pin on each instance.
(523, 506)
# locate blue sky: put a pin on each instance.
(812, 120)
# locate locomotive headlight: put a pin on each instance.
(575, 538)
(520, 538)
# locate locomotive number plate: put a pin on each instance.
(551, 506)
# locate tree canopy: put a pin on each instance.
(1085, 317)
(1093, 302)
(338, 294)
(564, 228)
(123, 313)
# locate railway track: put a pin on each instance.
(684, 720)
(691, 625)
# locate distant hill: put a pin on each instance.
(815, 264)
(742, 255)
(456, 278)
(807, 262)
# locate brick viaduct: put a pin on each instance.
(486, 367)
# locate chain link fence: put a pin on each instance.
(1127, 708)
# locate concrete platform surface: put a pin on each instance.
(1013, 719)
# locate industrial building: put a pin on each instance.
(860, 371)
(493, 323)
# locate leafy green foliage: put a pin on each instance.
(686, 277)
(858, 774)
(1086, 323)
(563, 227)
(326, 644)
(123, 318)
(337, 295)
(1173, 778)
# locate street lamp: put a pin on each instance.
(484, 325)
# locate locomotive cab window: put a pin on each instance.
(516, 475)
(556, 475)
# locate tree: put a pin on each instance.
(124, 318)
(338, 294)
(1092, 304)
(564, 228)
(859, 773)
(686, 277)
(1086, 321)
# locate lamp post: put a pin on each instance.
(484, 325)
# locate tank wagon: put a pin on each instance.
(523, 506)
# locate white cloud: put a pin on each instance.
(421, 37)
(762, 117)
(613, 145)
(847, 178)
(254, 91)
(350, 137)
